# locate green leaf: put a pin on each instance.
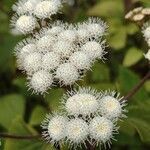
(19, 127)
(10, 107)
(147, 85)
(142, 127)
(117, 39)
(100, 72)
(103, 86)
(132, 56)
(132, 28)
(53, 98)
(107, 8)
(127, 80)
(37, 115)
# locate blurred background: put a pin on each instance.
(21, 112)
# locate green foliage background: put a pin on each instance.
(21, 112)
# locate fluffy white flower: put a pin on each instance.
(45, 43)
(80, 60)
(101, 129)
(146, 32)
(77, 131)
(63, 48)
(25, 23)
(18, 7)
(148, 42)
(54, 29)
(32, 62)
(83, 102)
(46, 8)
(29, 5)
(50, 61)
(54, 128)
(111, 107)
(23, 49)
(95, 26)
(93, 50)
(41, 81)
(82, 34)
(67, 74)
(68, 35)
(25, 6)
(147, 55)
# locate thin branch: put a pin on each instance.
(137, 87)
(19, 137)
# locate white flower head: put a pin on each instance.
(147, 55)
(40, 81)
(25, 23)
(32, 62)
(63, 48)
(69, 35)
(146, 11)
(45, 43)
(95, 26)
(148, 42)
(111, 106)
(82, 34)
(47, 8)
(25, 6)
(94, 50)
(102, 130)
(146, 30)
(18, 7)
(77, 132)
(54, 29)
(67, 74)
(84, 101)
(80, 60)
(54, 127)
(23, 49)
(50, 61)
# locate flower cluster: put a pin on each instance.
(146, 33)
(138, 14)
(90, 116)
(61, 53)
(29, 12)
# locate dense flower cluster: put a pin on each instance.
(89, 116)
(28, 13)
(138, 14)
(146, 33)
(61, 53)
